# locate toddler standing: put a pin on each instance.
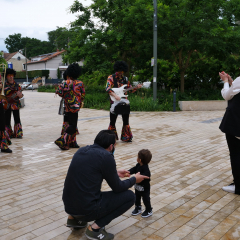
(142, 189)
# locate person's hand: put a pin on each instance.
(19, 94)
(82, 104)
(140, 178)
(1, 85)
(224, 76)
(117, 98)
(230, 80)
(123, 173)
(139, 86)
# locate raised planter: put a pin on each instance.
(208, 105)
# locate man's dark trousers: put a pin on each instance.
(234, 149)
(111, 206)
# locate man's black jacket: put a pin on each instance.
(82, 187)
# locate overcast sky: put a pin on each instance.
(34, 18)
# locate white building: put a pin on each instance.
(49, 61)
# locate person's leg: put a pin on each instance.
(18, 132)
(8, 126)
(147, 203)
(68, 139)
(126, 135)
(234, 149)
(112, 125)
(65, 123)
(113, 205)
(138, 207)
(4, 140)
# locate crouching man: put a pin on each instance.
(82, 196)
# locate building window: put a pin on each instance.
(18, 58)
(24, 68)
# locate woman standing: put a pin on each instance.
(4, 138)
(117, 80)
(12, 105)
(73, 93)
(230, 125)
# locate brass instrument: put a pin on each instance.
(3, 70)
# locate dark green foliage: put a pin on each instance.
(34, 46)
(142, 100)
(33, 74)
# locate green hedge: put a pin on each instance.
(142, 100)
(33, 74)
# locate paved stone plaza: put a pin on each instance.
(190, 165)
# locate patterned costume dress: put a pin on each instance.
(126, 134)
(13, 106)
(73, 93)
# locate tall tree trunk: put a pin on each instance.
(182, 81)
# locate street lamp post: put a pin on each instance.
(26, 63)
(155, 50)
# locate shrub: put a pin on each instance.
(33, 74)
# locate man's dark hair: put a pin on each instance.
(145, 155)
(105, 138)
(10, 71)
(65, 75)
(120, 66)
(73, 71)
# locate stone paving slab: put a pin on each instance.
(190, 165)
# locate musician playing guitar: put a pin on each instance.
(4, 138)
(117, 80)
(13, 93)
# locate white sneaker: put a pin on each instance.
(230, 188)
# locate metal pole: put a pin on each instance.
(155, 50)
(26, 64)
(174, 101)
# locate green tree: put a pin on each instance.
(14, 42)
(121, 33)
(34, 46)
(191, 31)
(61, 37)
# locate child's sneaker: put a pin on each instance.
(137, 210)
(147, 213)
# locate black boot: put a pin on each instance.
(8, 150)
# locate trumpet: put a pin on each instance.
(3, 70)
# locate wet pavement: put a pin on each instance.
(190, 165)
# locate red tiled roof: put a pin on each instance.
(45, 59)
(8, 56)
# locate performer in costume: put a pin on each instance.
(13, 93)
(117, 80)
(230, 126)
(73, 93)
(65, 117)
(4, 138)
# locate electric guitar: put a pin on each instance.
(120, 92)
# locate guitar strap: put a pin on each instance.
(125, 81)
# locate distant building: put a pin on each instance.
(15, 60)
(49, 61)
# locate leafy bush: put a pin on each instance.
(142, 100)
